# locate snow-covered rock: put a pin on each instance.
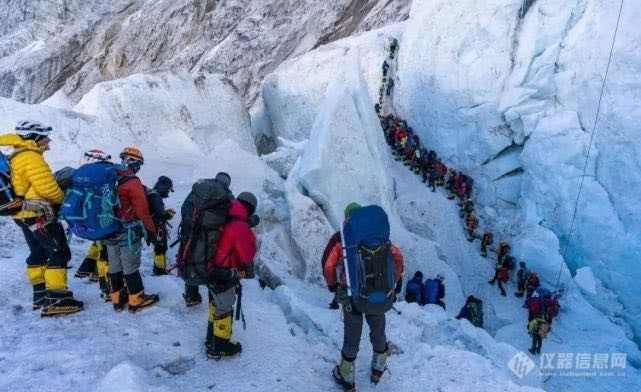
(294, 93)
(206, 108)
(73, 45)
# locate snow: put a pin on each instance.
(584, 278)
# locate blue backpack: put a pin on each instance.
(369, 267)
(430, 291)
(413, 291)
(89, 205)
(9, 202)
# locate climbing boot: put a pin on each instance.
(192, 296)
(141, 300)
(88, 265)
(59, 303)
(379, 365)
(160, 265)
(345, 374)
(39, 295)
(223, 349)
(119, 299)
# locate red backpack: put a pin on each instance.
(504, 274)
(534, 306)
(552, 308)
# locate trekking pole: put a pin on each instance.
(239, 306)
(345, 266)
(396, 310)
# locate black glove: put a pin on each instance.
(332, 288)
(232, 274)
(253, 221)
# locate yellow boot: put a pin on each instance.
(160, 264)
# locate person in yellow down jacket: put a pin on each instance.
(33, 182)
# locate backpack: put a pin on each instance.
(504, 274)
(534, 306)
(369, 268)
(64, 178)
(544, 328)
(476, 313)
(89, 204)
(510, 263)
(430, 291)
(543, 292)
(205, 210)
(552, 308)
(413, 291)
(9, 202)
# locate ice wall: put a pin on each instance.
(513, 101)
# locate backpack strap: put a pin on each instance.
(15, 153)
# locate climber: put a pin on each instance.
(124, 246)
(501, 275)
(390, 86)
(486, 240)
(470, 223)
(161, 218)
(385, 68)
(451, 183)
(442, 171)
(434, 291)
(392, 48)
(432, 177)
(538, 328)
(34, 210)
(531, 284)
(467, 207)
(464, 190)
(535, 306)
(192, 296)
(502, 251)
(552, 308)
(377, 107)
(368, 228)
(472, 311)
(414, 289)
(234, 260)
(521, 278)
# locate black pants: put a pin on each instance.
(353, 328)
(47, 245)
(537, 342)
(500, 283)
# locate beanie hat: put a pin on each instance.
(223, 178)
(418, 274)
(249, 201)
(164, 184)
(351, 207)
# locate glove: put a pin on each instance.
(253, 221)
(232, 274)
(332, 288)
(170, 213)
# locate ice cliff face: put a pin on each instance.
(513, 101)
(74, 44)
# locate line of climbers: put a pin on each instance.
(107, 204)
(406, 146)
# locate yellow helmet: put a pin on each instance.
(132, 154)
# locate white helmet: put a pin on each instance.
(32, 130)
(93, 156)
